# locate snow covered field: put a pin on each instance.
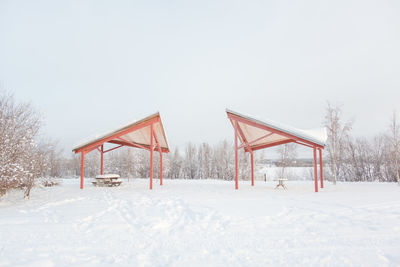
(202, 223)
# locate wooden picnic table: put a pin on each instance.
(280, 183)
(107, 180)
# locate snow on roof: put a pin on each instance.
(317, 136)
(318, 133)
(140, 136)
(98, 136)
(108, 176)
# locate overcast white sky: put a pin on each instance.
(89, 66)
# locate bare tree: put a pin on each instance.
(244, 165)
(52, 165)
(142, 163)
(360, 161)
(19, 126)
(190, 163)
(207, 157)
(174, 164)
(378, 157)
(204, 161)
(129, 162)
(223, 161)
(338, 133)
(394, 141)
(287, 154)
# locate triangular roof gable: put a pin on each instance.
(261, 134)
(136, 134)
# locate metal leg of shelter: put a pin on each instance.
(236, 158)
(158, 145)
(161, 168)
(82, 167)
(321, 168)
(315, 169)
(252, 168)
(102, 160)
(151, 156)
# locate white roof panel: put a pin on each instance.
(140, 136)
(253, 133)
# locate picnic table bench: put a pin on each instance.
(107, 180)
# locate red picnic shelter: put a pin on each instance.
(147, 133)
(255, 135)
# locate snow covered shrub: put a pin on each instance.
(19, 154)
(393, 148)
(48, 181)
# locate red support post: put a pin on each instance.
(321, 168)
(315, 169)
(102, 160)
(151, 156)
(252, 168)
(236, 157)
(160, 151)
(82, 167)
(160, 168)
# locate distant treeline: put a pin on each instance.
(196, 162)
(24, 157)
